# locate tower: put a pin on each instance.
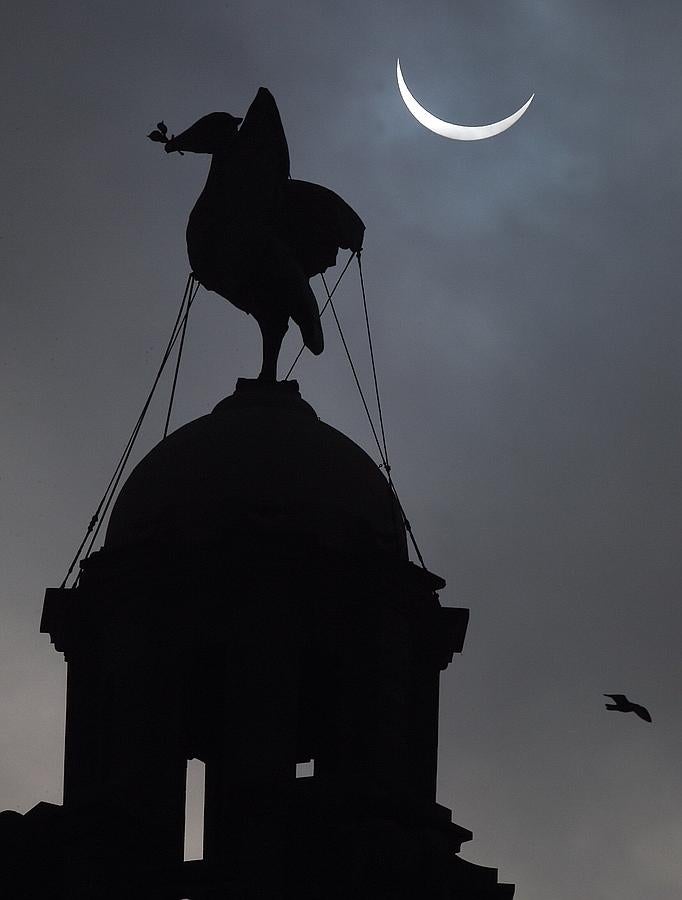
(253, 606)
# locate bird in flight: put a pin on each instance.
(622, 704)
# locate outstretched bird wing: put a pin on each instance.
(315, 222)
(618, 698)
(641, 711)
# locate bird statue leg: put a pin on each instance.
(273, 335)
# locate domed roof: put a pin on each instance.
(262, 462)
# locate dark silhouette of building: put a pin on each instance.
(253, 606)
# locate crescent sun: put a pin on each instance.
(450, 129)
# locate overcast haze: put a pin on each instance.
(525, 298)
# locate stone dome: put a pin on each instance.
(261, 463)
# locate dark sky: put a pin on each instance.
(524, 294)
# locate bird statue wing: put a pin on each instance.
(261, 137)
(315, 222)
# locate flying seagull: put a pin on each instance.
(622, 704)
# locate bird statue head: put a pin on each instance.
(210, 134)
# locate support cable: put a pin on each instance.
(189, 296)
(190, 301)
(383, 456)
(329, 296)
(387, 465)
(98, 516)
(374, 368)
(353, 370)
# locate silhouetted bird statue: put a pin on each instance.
(622, 704)
(256, 236)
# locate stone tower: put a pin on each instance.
(253, 606)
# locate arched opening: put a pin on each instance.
(194, 810)
(305, 769)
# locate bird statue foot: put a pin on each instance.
(273, 335)
(267, 391)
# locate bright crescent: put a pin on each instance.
(450, 129)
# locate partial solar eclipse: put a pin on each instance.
(450, 129)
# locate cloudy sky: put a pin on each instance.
(524, 293)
